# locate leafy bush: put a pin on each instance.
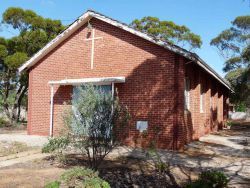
(4, 123)
(90, 125)
(198, 184)
(215, 178)
(78, 173)
(209, 179)
(229, 123)
(53, 184)
(79, 177)
(55, 144)
(240, 107)
(96, 183)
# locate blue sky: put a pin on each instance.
(204, 17)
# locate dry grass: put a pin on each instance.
(12, 148)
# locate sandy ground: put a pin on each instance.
(227, 151)
(32, 174)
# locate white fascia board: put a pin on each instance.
(52, 44)
(98, 81)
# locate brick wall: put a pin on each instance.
(153, 90)
(215, 102)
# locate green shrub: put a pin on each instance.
(53, 184)
(198, 184)
(229, 123)
(214, 178)
(55, 144)
(79, 177)
(96, 182)
(83, 177)
(78, 173)
(208, 179)
(90, 125)
(3, 122)
(240, 107)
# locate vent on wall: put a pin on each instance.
(142, 126)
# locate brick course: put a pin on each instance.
(154, 88)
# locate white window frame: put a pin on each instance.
(187, 93)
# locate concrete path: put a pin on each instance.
(30, 140)
(21, 158)
(227, 151)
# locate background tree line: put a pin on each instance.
(234, 45)
(35, 31)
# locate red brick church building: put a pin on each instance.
(163, 86)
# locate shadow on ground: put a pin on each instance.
(131, 167)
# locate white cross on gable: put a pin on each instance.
(92, 39)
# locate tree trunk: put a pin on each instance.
(17, 104)
(6, 95)
(20, 101)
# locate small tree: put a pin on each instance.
(91, 123)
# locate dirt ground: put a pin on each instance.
(29, 175)
(227, 151)
(13, 129)
(121, 172)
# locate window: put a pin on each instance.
(105, 89)
(202, 98)
(187, 94)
